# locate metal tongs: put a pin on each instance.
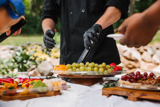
(14, 28)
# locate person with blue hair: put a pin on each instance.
(9, 16)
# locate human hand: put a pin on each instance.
(138, 31)
(91, 34)
(13, 23)
(48, 39)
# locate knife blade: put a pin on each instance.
(86, 52)
(14, 28)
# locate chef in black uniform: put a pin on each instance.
(81, 21)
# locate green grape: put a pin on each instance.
(100, 65)
(101, 70)
(91, 65)
(74, 68)
(82, 68)
(95, 68)
(107, 66)
(103, 64)
(89, 69)
(69, 70)
(74, 64)
(96, 65)
(81, 64)
(101, 73)
(86, 68)
(97, 73)
(82, 73)
(87, 63)
(106, 72)
(109, 70)
(89, 73)
(77, 65)
(68, 66)
(77, 69)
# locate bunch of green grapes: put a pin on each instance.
(99, 69)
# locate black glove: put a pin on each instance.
(48, 39)
(91, 34)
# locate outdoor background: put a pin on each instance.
(32, 31)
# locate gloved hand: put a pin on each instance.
(91, 34)
(48, 39)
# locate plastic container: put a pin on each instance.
(32, 90)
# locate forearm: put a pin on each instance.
(48, 24)
(111, 15)
(152, 14)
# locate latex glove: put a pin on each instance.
(91, 34)
(48, 39)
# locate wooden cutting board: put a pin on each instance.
(133, 95)
(28, 96)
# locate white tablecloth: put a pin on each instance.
(80, 96)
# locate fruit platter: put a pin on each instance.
(88, 73)
(138, 81)
(25, 88)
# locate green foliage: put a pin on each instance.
(7, 66)
(24, 60)
(33, 25)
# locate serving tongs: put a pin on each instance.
(14, 28)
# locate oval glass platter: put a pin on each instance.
(137, 86)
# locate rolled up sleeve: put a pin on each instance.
(122, 5)
(50, 10)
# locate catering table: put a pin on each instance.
(80, 96)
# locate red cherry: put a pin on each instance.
(141, 76)
(137, 73)
(132, 80)
(151, 74)
(135, 77)
(138, 77)
(145, 77)
(132, 74)
(124, 77)
(127, 79)
(129, 76)
(145, 74)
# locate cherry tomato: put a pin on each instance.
(113, 64)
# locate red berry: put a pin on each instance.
(127, 79)
(151, 74)
(137, 73)
(145, 74)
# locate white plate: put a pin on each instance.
(115, 36)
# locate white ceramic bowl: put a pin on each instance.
(115, 36)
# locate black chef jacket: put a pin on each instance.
(76, 17)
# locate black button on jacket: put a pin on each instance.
(76, 17)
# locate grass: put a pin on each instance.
(156, 39)
(21, 39)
